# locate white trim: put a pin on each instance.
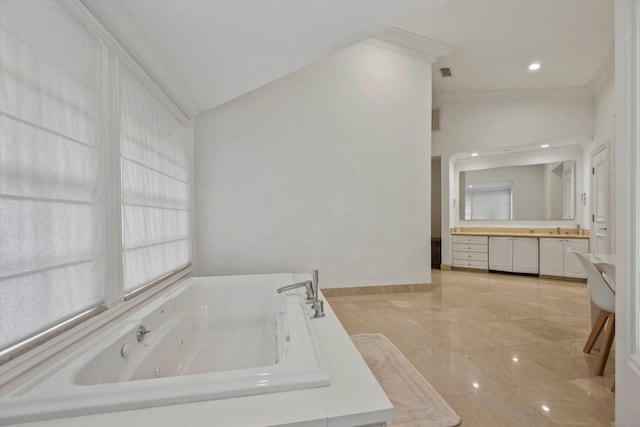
(400, 49)
(603, 75)
(420, 46)
(627, 200)
(633, 128)
(114, 287)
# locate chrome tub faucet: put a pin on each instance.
(311, 291)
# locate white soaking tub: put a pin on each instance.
(212, 338)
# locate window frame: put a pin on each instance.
(21, 357)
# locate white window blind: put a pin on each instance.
(488, 201)
(51, 180)
(155, 186)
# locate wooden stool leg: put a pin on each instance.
(606, 344)
(597, 328)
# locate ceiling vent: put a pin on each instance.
(446, 72)
(435, 119)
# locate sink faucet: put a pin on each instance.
(312, 293)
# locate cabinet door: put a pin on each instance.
(525, 255)
(552, 257)
(500, 254)
(572, 265)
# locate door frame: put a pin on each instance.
(627, 173)
(610, 198)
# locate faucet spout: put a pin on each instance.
(312, 293)
(307, 283)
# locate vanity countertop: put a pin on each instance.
(566, 233)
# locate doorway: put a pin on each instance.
(436, 212)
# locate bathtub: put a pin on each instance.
(211, 338)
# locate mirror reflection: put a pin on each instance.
(528, 192)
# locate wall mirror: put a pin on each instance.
(529, 192)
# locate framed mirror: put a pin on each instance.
(527, 192)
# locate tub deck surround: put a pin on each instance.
(352, 398)
(519, 232)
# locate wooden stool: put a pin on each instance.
(607, 342)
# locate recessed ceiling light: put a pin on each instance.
(544, 145)
(474, 154)
(534, 66)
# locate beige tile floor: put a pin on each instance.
(503, 350)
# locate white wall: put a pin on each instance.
(496, 122)
(604, 112)
(487, 121)
(326, 168)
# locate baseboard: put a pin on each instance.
(372, 290)
(445, 267)
(473, 270)
(564, 279)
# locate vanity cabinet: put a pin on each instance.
(513, 254)
(525, 255)
(552, 257)
(572, 265)
(501, 253)
(555, 260)
(470, 252)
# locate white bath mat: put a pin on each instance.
(415, 401)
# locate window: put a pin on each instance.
(488, 200)
(155, 186)
(51, 179)
(55, 174)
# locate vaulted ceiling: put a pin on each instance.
(207, 52)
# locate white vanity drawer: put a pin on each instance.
(470, 247)
(471, 239)
(478, 256)
(471, 263)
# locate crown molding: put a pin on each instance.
(581, 94)
(603, 75)
(412, 44)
